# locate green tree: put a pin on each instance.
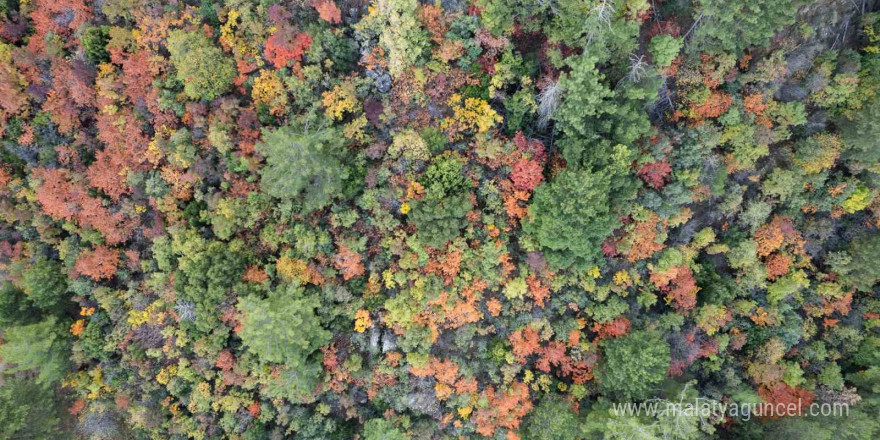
(282, 328)
(634, 365)
(39, 347)
(571, 216)
(731, 27)
(861, 271)
(860, 135)
(202, 68)
(664, 48)
(30, 411)
(45, 284)
(381, 429)
(552, 419)
(308, 164)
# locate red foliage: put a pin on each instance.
(526, 174)
(225, 360)
(654, 173)
(613, 329)
(531, 147)
(285, 46)
(783, 397)
(99, 264)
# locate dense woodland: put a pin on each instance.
(329, 219)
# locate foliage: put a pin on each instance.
(272, 328)
(202, 68)
(306, 165)
(570, 216)
(634, 365)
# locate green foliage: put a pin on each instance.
(282, 328)
(861, 133)
(570, 216)
(439, 218)
(202, 68)
(552, 419)
(306, 165)
(94, 41)
(664, 48)
(634, 365)
(732, 27)
(45, 284)
(861, 270)
(30, 411)
(39, 347)
(381, 429)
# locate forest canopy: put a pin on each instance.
(402, 219)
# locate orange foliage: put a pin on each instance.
(683, 290)
(755, 103)
(777, 265)
(537, 291)
(328, 11)
(99, 264)
(504, 410)
(715, 105)
(349, 262)
(525, 342)
(494, 306)
(644, 240)
(613, 329)
(769, 238)
(255, 275)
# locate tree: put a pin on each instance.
(282, 328)
(304, 164)
(39, 347)
(633, 365)
(45, 284)
(552, 419)
(99, 263)
(664, 49)
(860, 135)
(30, 411)
(202, 68)
(728, 27)
(381, 429)
(861, 270)
(570, 216)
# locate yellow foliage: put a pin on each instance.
(269, 90)
(622, 279)
(362, 321)
(343, 98)
(474, 114)
(292, 270)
